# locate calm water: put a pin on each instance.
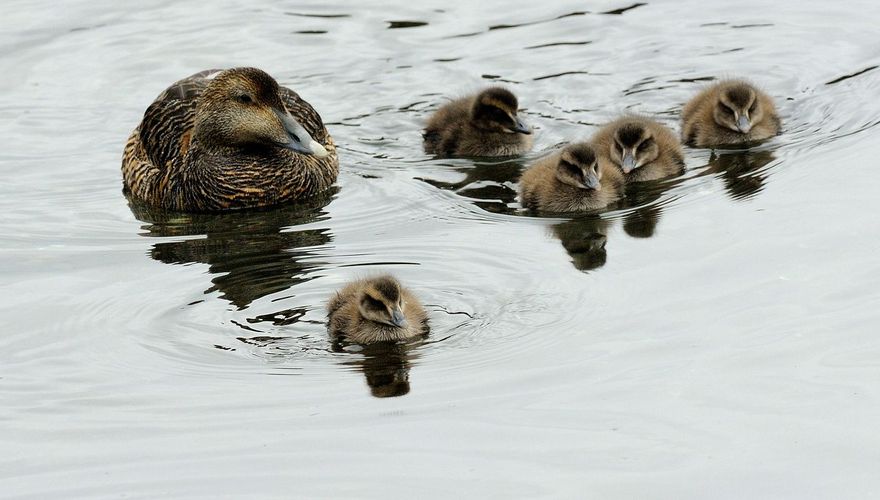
(721, 344)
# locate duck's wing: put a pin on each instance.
(166, 129)
(305, 114)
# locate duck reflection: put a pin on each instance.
(741, 171)
(491, 184)
(249, 253)
(385, 365)
(584, 239)
(644, 214)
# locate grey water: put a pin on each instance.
(716, 337)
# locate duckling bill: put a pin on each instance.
(571, 180)
(729, 113)
(485, 124)
(376, 310)
(221, 140)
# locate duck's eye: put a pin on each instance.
(371, 303)
(753, 107)
(643, 146)
(727, 110)
(499, 116)
(245, 99)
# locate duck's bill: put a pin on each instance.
(743, 124)
(398, 319)
(298, 139)
(522, 128)
(628, 164)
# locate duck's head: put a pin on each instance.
(578, 167)
(495, 110)
(242, 107)
(382, 302)
(738, 108)
(633, 146)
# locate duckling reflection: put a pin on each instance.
(740, 171)
(248, 253)
(491, 184)
(385, 366)
(584, 239)
(642, 198)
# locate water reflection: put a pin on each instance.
(741, 171)
(643, 199)
(584, 239)
(491, 184)
(385, 366)
(250, 254)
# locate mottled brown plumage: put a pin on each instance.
(571, 180)
(485, 124)
(233, 139)
(640, 148)
(376, 310)
(729, 113)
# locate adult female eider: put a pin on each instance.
(233, 139)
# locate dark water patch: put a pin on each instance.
(449, 59)
(852, 75)
(558, 44)
(755, 25)
(320, 16)
(694, 80)
(392, 25)
(532, 23)
(714, 24)
(557, 75)
(624, 9)
(310, 32)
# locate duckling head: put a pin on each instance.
(578, 167)
(738, 108)
(242, 107)
(495, 110)
(633, 147)
(382, 302)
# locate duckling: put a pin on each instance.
(571, 180)
(485, 124)
(641, 148)
(232, 139)
(375, 310)
(731, 112)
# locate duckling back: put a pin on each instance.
(166, 166)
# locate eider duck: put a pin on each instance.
(376, 310)
(571, 180)
(232, 139)
(641, 148)
(485, 124)
(729, 113)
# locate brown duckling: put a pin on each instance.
(229, 139)
(571, 180)
(485, 124)
(375, 310)
(641, 148)
(730, 112)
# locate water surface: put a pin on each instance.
(715, 337)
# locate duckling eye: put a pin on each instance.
(643, 146)
(371, 303)
(727, 110)
(753, 107)
(499, 116)
(245, 99)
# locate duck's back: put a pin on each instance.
(443, 133)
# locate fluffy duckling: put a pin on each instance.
(730, 112)
(375, 310)
(485, 124)
(231, 139)
(639, 147)
(571, 180)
